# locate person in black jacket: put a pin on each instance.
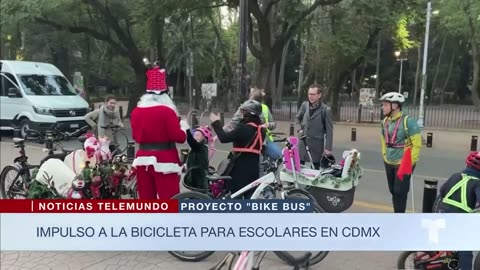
(461, 194)
(199, 140)
(247, 138)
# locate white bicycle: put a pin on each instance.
(267, 187)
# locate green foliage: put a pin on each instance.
(402, 35)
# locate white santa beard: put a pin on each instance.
(152, 100)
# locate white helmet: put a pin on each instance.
(393, 97)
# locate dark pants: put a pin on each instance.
(466, 260)
(399, 189)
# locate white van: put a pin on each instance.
(39, 95)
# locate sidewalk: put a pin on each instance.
(457, 140)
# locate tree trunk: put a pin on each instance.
(335, 97)
(179, 85)
(442, 90)
(61, 59)
(160, 25)
(417, 75)
(281, 76)
(434, 82)
(476, 74)
(264, 74)
(377, 73)
(140, 84)
(303, 59)
(228, 68)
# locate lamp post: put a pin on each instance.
(397, 54)
(424, 67)
(242, 61)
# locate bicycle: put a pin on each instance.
(120, 139)
(333, 187)
(245, 261)
(437, 260)
(267, 185)
(21, 168)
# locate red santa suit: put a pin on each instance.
(156, 129)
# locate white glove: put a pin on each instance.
(184, 125)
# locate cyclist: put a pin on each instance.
(106, 115)
(461, 194)
(399, 131)
(271, 149)
(247, 138)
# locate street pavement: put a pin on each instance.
(445, 157)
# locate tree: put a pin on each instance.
(271, 24)
(461, 18)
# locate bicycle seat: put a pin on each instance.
(218, 177)
(68, 151)
(18, 140)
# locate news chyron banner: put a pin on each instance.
(194, 225)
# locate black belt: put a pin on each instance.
(156, 146)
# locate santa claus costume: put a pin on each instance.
(156, 129)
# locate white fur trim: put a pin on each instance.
(166, 168)
(149, 100)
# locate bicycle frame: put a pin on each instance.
(259, 184)
(436, 259)
(244, 261)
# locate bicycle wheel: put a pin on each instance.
(476, 263)
(403, 258)
(121, 140)
(317, 256)
(191, 256)
(12, 173)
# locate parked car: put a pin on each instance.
(38, 95)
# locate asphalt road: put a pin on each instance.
(446, 157)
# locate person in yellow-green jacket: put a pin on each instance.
(398, 132)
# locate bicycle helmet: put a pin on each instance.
(253, 107)
(473, 160)
(393, 97)
(207, 133)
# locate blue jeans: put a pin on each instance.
(272, 150)
(466, 260)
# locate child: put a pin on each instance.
(461, 194)
(201, 144)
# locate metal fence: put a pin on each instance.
(448, 116)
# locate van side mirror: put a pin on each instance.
(14, 92)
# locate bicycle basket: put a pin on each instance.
(331, 200)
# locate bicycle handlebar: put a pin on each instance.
(53, 134)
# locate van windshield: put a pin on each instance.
(46, 85)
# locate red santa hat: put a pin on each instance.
(156, 81)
